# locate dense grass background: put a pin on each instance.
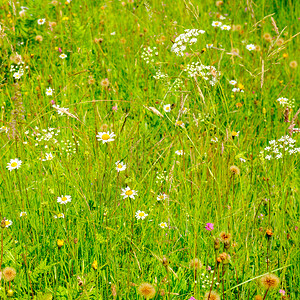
(106, 251)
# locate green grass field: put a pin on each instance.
(149, 149)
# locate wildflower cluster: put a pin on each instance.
(148, 53)
(18, 70)
(188, 38)
(277, 149)
(285, 102)
(160, 75)
(43, 137)
(208, 73)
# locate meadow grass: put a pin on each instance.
(195, 195)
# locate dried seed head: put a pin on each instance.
(235, 170)
(217, 244)
(212, 295)
(225, 237)
(195, 264)
(269, 281)
(9, 274)
(146, 290)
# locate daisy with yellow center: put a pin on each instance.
(128, 193)
(64, 199)
(8, 223)
(120, 166)
(63, 56)
(161, 197)
(179, 123)
(14, 164)
(163, 225)
(140, 215)
(167, 107)
(179, 152)
(23, 214)
(216, 24)
(59, 216)
(105, 137)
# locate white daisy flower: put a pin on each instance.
(232, 82)
(283, 101)
(64, 199)
(214, 140)
(59, 216)
(140, 215)
(127, 192)
(250, 47)
(105, 137)
(208, 46)
(8, 223)
(179, 123)
(120, 166)
(179, 152)
(161, 197)
(23, 214)
(225, 27)
(268, 157)
(17, 75)
(242, 159)
(14, 164)
(49, 91)
(216, 24)
(163, 225)
(63, 56)
(167, 107)
(4, 129)
(41, 21)
(49, 156)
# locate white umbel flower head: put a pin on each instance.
(105, 137)
(128, 193)
(14, 164)
(64, 199)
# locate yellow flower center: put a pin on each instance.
(141, 214)
(14, 164)
(129, 192)
(105, 136)
(7, 223)
(59, 215)
(64, 199)
(120, 166)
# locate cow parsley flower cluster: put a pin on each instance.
(208, 73)
(188, 38)
(160, 75)
(69, 147)
(277, 149)
(44, 137)
(148, 54)
(206, 280)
